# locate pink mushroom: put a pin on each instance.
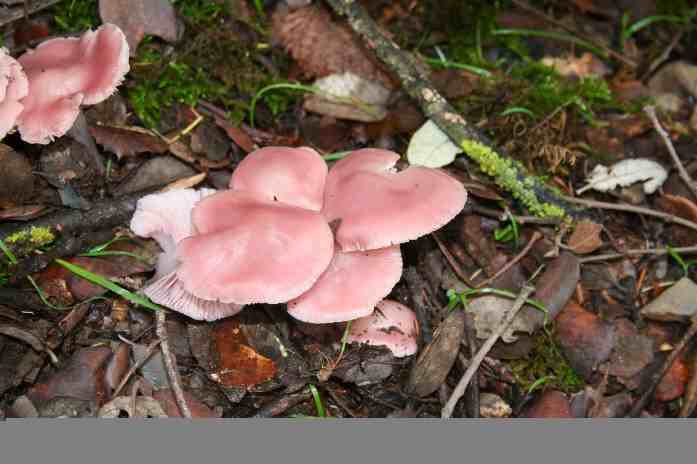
(378, 207)
(268, 239)
(252, 250)
(166, 217)
(350, 287)
(294, 176)
(13, 87)
(392, 325)
(65, 73)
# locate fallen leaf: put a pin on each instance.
(431, 147)
(631, 354)
(155, 172)
(128, 141)
(237, 135)
(551, 403)
(348, 96)
(672, 385)
(585, 339)
(82, 378)
(238, 364)
(138, 18)
(586, 237)
(624, 173)
(678, 303)
(437, 358)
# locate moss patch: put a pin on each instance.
(505, 173)
(545, 367)
(76, 15)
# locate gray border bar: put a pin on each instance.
(346, 441)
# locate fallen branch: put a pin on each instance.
(506, 321)
(171, 364)
(508, 173)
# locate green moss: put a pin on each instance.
(76, 15)
(505, 173)
(200, 12)
(545, 366)
(36, 237)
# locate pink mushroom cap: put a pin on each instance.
(65, 73)
(166, 217)
(294, 176)
(13, 87)
(392, 325)
(250, 250)
(350, 287)
(378, 207)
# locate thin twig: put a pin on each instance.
(485, 283)
(658, 375)
(471, 338)
(170, 363)
(638, 252)
(148, 352)
(660, 59)
(618, 56)
(651, 113)
(632, 209)
(451, 261)
(506, 321)
(503, 216)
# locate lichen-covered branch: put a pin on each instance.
(508, 173)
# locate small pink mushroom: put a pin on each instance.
(13, 87)
(377, 207)
(166, 217)
(294, 176)
(350, 287)
(65, 73)
(392, 325)
(251, 250)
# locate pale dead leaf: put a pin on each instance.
(625, 173)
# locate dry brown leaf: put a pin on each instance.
(323, 47)
(138, 18)
(586, 237)
(128, 141)
(238, 364)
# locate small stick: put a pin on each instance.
(170, 364)
(535, 237)
(660, 59)
(632, 209)
(471, 338)
(506, 321)
(651, 113)
(637, 252)
(148, 352)
(451, 261)
(655, 379)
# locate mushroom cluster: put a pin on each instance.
(41, 91)
(288, 230)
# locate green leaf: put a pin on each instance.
(431, 147)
